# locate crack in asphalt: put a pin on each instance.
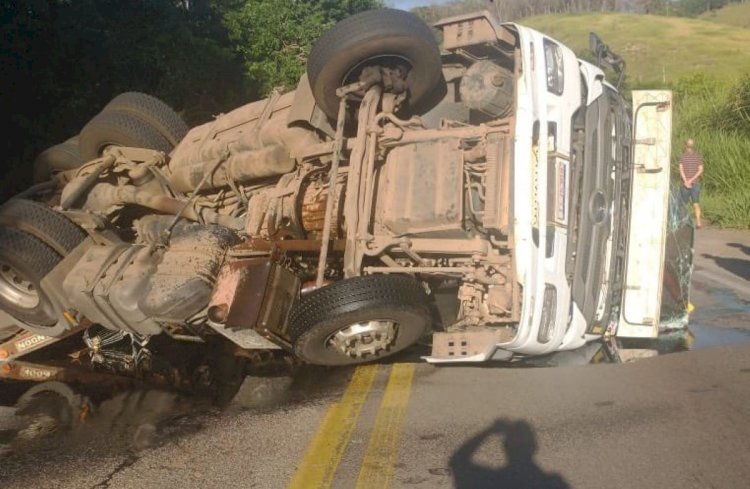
(129, 460)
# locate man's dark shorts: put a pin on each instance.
(692, 194)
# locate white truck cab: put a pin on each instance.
(590, 188)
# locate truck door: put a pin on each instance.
(652, 130)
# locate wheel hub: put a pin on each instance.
(366, 338)
(15, 288)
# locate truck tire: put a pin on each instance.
(52, 228)
(24, 261)
(152, 111)
(111, 128)
(359, 320)
(57, 400)
(60, 157)
(370, 38)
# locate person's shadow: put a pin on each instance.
(741, 247)
(737, 266)
(520, 472)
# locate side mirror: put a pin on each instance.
(595, 45)
(605, 56)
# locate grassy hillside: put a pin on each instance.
(657, 49)
(736, 14)
(707, 64)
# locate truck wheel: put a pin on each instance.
(52, 228)
(60, 157)
(24, 261)
(384, 37)
(57, 400)
(111, 128)
(153, 111)
(33, 240)
(359, 320)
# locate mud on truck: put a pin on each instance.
(496, 197)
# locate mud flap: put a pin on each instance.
(652, 131)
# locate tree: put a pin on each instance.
(693, 8)
(274, 38)
(61, 61)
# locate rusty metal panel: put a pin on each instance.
(313, 209)
(421, 189)
(239, 291)
(253, 293)
(281, 292)
(466, 30)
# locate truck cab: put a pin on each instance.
(573, 187)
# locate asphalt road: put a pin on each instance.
(680, 420)
(721, 278)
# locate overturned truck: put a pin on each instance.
(498, 198)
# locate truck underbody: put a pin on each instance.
(326, 221)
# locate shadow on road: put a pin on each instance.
(737, 266)
(743, 248)
(521, 470)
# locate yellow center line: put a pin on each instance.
(382, 451)
(325, 450)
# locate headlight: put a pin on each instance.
(554, 63)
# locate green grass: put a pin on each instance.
(734, 14)
(707, 64)
(725, 196)
(657, 49)
(717, 116)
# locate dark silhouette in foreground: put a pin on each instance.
(520, 472)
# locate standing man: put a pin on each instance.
(691, 169)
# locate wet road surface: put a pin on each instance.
(678, 420)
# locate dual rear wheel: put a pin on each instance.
(33, 240)
(130, 119)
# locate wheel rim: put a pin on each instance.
(16, 288)
(387, 60)
(366, 338)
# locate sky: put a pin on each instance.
(410, 4)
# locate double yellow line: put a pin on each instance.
(324, 453)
